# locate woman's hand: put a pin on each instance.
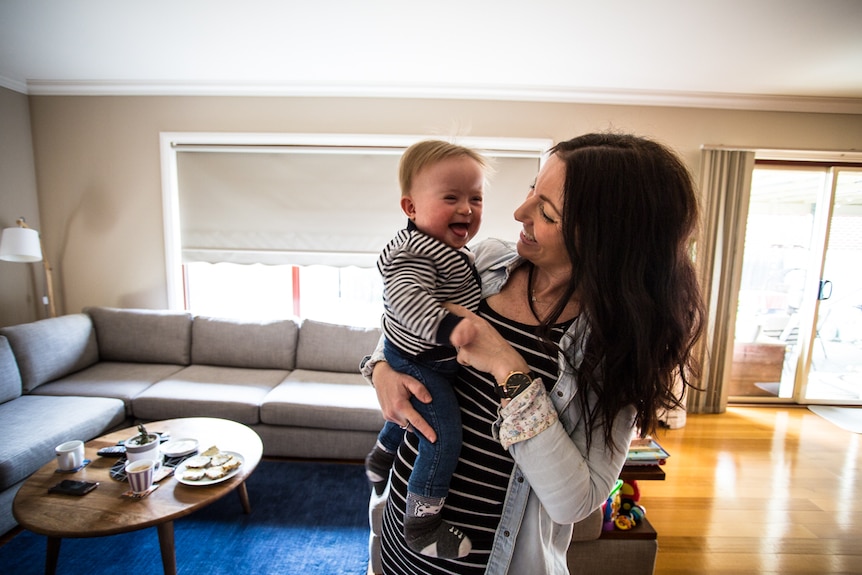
(394, 390)
(481, 346)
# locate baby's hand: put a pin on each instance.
(464, 332)
(481, 346)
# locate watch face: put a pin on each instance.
(514, 384)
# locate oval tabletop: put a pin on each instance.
(105, 510)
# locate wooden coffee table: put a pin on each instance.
(104, 511)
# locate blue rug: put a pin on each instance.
(307, 518)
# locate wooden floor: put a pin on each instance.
(758, 490)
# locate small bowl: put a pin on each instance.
(179, 447)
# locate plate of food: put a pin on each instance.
(210, 467)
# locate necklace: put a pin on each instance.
(531, 294)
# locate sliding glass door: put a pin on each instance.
(798, 331)
(835, 367)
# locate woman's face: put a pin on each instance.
(541, 240)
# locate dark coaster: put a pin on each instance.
(82, 466)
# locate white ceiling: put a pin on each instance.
(790, 55)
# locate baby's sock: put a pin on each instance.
(425, 531)
(377, 466)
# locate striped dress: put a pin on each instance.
(420, 273)
(481, 479)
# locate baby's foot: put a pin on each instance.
(433, 537)
(377, 466)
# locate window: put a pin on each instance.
(265, 226)
(344, 295)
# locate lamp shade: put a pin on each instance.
(20, 245)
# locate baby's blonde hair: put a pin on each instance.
(429, 152)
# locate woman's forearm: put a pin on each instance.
(570, 484)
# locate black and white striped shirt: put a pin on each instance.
(420, 273)
(481, 479)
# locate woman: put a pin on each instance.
(584, 329)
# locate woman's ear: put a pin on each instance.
(408, 207)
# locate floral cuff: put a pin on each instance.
(526, 416)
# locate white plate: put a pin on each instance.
(180, 447)
(178, 472)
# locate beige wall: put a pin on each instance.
(97, 161)
(21, 285)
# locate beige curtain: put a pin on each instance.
(725, 184)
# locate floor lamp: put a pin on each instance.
(22, 244)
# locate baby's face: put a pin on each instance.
(445, 200)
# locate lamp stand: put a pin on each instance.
(49, 281)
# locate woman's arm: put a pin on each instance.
(394, 390)
(570, 481)
(569, 484)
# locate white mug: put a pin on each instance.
(70, 455)
(140, 474)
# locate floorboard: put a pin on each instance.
(758, 490)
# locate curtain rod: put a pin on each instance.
(793, 154)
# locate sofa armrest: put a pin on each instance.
(10, 377)
(51, 348)
(589, 528)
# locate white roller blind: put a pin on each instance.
(314, 205)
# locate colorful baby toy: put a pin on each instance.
(622, 510)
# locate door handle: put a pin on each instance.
(825, 290)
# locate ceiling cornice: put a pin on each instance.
(724, 101)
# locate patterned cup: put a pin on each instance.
(140, 474)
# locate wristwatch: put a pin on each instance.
(515, 383)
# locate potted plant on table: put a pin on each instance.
(144, 445)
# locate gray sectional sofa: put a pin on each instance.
(81, 375)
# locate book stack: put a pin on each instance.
(646, 451)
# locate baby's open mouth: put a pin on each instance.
(459, 229)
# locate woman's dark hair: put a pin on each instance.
(630, 215)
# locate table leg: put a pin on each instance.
(166, 543)
(243, 498)
(52, 555)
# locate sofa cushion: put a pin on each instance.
(331, 347)
(321, 399)
(206, 391)
(31, 426)
(315, 443)
(110, 379)
(51, 348)
(10, 377)
(264, 345)
(142, 335)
